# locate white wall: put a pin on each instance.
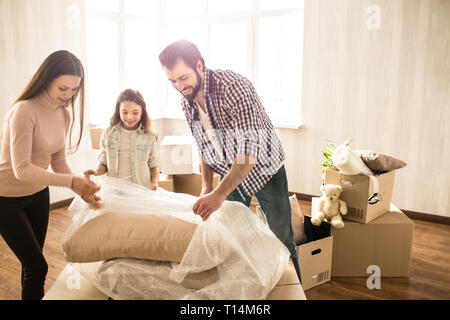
(388, 89)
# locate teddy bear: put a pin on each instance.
(330, 207)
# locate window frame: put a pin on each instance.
(251, 18)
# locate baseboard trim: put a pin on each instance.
(308, 197)
(303, 196)
(410, 214)
(60, 204)
(427, 217)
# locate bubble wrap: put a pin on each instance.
(232, 255)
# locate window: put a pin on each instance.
(260, 39)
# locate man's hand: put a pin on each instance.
(211, 201)
(208, 204)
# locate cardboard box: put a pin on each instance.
(166, 182)
(96, 134)
(288, 287)
(385, 242)
(314, 257)
(191, 183)
(71, 285)
(287, 292)
(178, 155)
(356, 193)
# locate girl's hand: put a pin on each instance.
(89, 172)
(154, 186)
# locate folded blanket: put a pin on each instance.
(349, 162)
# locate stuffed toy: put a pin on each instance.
(330, 207)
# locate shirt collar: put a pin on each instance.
(206, 89)
(209, 82)
(117, 126)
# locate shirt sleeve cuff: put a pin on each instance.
(153, 164)
(247, 147)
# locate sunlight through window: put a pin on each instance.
(261, 40)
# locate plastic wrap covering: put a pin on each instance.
(231, 255)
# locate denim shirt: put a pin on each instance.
(144, 153)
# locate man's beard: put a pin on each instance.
(195, 89)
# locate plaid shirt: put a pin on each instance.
(241, 126)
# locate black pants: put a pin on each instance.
(23, 226)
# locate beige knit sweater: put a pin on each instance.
(34, 135)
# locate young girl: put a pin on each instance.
(34, 137)
(130, 148)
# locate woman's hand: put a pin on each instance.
(86, 189)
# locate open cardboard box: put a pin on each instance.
(358, 189)
(314, 256)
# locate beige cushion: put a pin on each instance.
(380, 162)
(201, 279)
(297, 221)
(119, 235)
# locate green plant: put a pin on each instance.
(328, 154)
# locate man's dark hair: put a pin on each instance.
(181, 49)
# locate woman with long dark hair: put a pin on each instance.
(34, 137)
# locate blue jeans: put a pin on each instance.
(274, 201)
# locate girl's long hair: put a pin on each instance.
(59, 63)
(136, 97)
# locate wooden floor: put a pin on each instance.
(430, 266)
